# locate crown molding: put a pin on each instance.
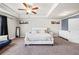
(5, 10)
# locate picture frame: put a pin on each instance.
(54, 22)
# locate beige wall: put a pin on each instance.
(38, 23)
(12, 24)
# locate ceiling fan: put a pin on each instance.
(30, 8)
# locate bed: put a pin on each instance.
(38, 36)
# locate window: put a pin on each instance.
(64, 24)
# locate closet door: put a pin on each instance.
(74, 30)
(74, 24)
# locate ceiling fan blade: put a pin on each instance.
(25, 5)
(27, 13)
(35, 8)
(34, 12)
(21, 9)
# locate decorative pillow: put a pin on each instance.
(3, 37)
(48, 30)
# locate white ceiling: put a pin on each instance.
(41, 12)
(64, 10)
(51, 10)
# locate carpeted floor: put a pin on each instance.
(61, 47)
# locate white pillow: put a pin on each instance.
(3, 37)
(33, 32)
(38, 30)
(42, 31)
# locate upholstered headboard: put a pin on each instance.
(42, 30)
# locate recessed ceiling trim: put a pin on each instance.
(53, 7)
(72, 15)
(9, 8)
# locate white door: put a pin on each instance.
(74, 30)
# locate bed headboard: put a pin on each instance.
(35, 29)
(39, 29)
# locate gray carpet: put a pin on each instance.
(61, 47)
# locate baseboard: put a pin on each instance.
(63, 38)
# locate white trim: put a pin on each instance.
(9, 11)
(53, 8)
(72, 15)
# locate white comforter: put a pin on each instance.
(38, 36)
